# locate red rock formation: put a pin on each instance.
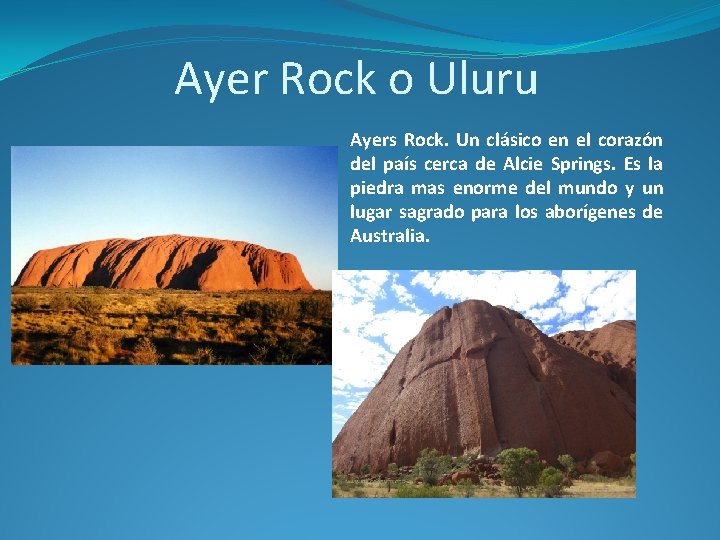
(165, 262)
(483, 378)
(612, 345)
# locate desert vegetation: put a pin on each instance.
(96, 325)
(515, 472)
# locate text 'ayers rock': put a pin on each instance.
(482, 378)
(165, 262)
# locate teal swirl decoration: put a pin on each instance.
(456, 29)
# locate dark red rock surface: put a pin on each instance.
(613, 345)
(165, 262)
(482, 378)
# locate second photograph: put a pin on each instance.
(484, 384)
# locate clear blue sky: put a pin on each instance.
(283, 198)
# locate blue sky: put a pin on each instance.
(376, 312)
(283, 198)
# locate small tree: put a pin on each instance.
(521, 468)
(567, 462)
(431, 465)
(551, 482)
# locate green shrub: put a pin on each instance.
(550, 482)
(358, 493)
(431, 465)
(249, 309)
(342, 483)
(26, 303)
(466, 487)
(365, 469)
(170, 307)
(59, 302)
(269, 311)
(521, 468)
(289, 351)
(89, 305)
(461, 462)
(567, 462)
(315, 307)
(406, 491)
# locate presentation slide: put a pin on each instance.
(359, 269)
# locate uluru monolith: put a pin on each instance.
(165, 262)
(483, 378)
(613, 345)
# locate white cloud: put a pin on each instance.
(367, 283)
(402, 293)
(358, 361)
(520, 290)
(350, 314)
(542, 314)
(396, 327)
(354, 402)
(580, 284)
(368, 339)
(595, 298)
(577, 324)
(613, 301)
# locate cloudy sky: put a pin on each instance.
(376, 312)
(283, 198)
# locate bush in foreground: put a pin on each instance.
(521, 468)
(550, 482)
(431, 465)
(567, 462)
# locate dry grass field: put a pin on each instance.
(94, 325)
(598, 488)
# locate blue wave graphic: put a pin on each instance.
(412, 30)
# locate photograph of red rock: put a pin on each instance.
(144, 294)
(477, 399)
